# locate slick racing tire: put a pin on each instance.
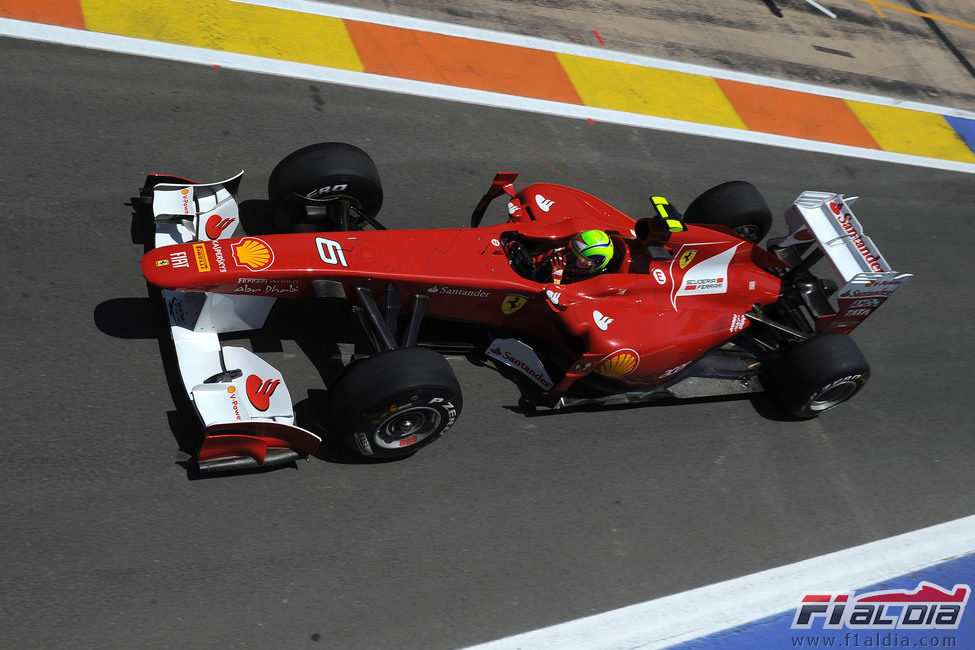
(393, 403)
(818, 374)
(325, 170)
(737, 205)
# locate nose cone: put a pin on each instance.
(175, 267)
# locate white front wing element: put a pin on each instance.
(195, 211)
(521, 357)
(233, 386)
(228, 386)
(868, 278)
(216, 312)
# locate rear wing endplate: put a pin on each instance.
(868, 279)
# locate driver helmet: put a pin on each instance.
(592, 250)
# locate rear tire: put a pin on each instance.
(393, 403)
(818, 374)
(325, 170)
(737, 205)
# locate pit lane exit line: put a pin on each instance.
(682, 617)
(250, 63)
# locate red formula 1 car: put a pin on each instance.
(688, 305)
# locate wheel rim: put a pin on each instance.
(356, 220)
(749, 231)
(834, 394)
(408, 427)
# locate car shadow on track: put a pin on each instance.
(763, 403)
(764, 406)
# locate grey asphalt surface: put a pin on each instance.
(509, 523)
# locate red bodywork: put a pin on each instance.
(639, 324)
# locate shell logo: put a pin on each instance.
(621, 362)
(253, 253)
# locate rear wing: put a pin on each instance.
(241, 400)
(826, 219)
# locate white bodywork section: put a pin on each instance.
(181, 211)
(868, 279)
(515, 354)
(227, 385)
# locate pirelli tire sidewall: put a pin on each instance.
(393, 403)
(325, 170)
(818, 374)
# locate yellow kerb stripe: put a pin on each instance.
(902, 130)
(230, 27)
(649, 91)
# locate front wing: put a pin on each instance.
(240, 399)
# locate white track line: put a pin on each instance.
(675, 619)
(505, 38)
(245, 62)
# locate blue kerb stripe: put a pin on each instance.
(963, 127)
(774, 633)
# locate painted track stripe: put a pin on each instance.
(303, 32)
(66, 13)
(649, 91)
(127, 45)
(675, 619)
(904, 131)
(436, 58)
(963, 127)
(944, 140)
(228, 26)
(477, 33)
(795, 114)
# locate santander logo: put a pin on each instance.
(259, 391)
(216, 225)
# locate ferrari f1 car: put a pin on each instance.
(689, 305)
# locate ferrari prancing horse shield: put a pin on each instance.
(512, 303)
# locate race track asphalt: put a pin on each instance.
(507, 524)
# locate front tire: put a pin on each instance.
(393, 403)
(818, 374)
(737, 205)
(324, 171)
